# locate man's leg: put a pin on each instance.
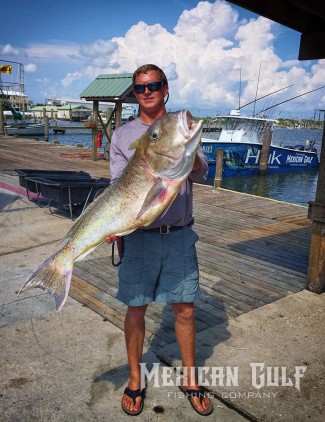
(134, 330)
(186, 334)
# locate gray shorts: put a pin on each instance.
(159, 268)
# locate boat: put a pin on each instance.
(241, 139)
(25, 129)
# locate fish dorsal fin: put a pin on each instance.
(157, 194)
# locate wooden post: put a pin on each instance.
(2, 125)
(44, 114)
(95, 129)
(118, 114)
(316, 268)
(47, 126)
(107, 128)
(219, 168)
(264, 157)
(108, 131)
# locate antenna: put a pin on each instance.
(239, 88)
(258, 80)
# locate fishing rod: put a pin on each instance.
(297, 96)
(274, 92)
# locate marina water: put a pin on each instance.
(296, 187)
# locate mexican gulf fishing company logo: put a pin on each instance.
(261, 377)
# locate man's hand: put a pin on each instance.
(110, 239)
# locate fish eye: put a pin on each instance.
(154, 135)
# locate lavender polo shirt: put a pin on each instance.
(181, 210)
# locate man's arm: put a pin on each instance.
(200, 167)
(118, 161)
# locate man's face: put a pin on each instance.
(150, 100)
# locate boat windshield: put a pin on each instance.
(246, 125)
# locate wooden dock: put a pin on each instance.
(252, 251)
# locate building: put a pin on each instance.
(18, 100)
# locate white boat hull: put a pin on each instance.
(37, 129)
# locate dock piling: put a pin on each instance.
(316, 212)
(2, 130)
(47, 128)
(219, 168)
(264, 157)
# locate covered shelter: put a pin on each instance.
(308, 18)
(110, 88)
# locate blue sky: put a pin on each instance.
(64, 45)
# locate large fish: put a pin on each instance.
(163, 159)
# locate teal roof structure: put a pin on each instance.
(46, 107)
(110, 88)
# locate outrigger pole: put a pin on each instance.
(297, 96)
(274, 92)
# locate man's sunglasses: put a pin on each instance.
(152, 86)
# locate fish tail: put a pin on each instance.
(54, 276)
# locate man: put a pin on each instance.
(159, 262)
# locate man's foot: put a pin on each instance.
(199, 400)
(133, 400)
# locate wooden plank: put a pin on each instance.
(269, 271)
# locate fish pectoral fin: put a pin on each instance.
(134, 144)
(166, 210)
(157, 194)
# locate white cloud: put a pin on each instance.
(201, 26)
(203, 56)
(70, 78)
(9, 51)
(99, 48)
(53, 52)
(30, 68)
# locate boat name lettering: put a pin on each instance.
(250, 155)
(308, 160)
(295, 158)
(273, 158)
(208, 149)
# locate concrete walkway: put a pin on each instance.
(72, 366)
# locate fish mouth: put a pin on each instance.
(191, 131)
(187, 125)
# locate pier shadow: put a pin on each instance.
(7, 199)
(288, 249)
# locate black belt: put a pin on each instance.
(164, 229)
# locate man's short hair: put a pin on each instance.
(146, 68)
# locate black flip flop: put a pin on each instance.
(201, 393)
(134, 394)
